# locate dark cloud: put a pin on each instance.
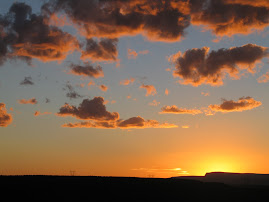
(229, 17)
(244, 103)
(25, 36)
(198, 66)
(47, 100)
(89, 110)
(32, 101)
(157, 20)
(71, 93)
(104, 50)
(87, 70)
(5, 118)
(163, 20)
(27, 81)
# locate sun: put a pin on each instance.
(220, 167)
(220, 164)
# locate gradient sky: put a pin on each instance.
(134, 88)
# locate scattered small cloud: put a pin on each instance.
(154, 103)
(27, 81)
(205, 94)
(166, 92)
(264, 78)
(5, 118)
(132, 54)
(127, 82)
(175, 110)
(243, 103)
(47, 100)
(87, 70)
(151, 90)
(71, 93)
(38, 113)
(103, 87)
(32, 101)
(89, 110)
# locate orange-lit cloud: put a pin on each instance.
(259, 3)
(154, 103)
(166, 92)
(131, 123)
(198, 66)
(87, 70)
(151, 90)
(226, 18)
(264, 78)
(91, 83)
(26, 36)
(91, 124)
(163, 20)
(132, 54)
(32, 101)
(127, 82)
(205, 93)
(175, 171)
(244, 103)
(38, 113)
(5, 118)
(175, 110)
(185, 126)
(157, 20)
(103, 87)
(104, 50)
(89, 110)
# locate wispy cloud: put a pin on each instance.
(32, 101)
(132, 54)
(175, 110)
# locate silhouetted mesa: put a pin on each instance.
(90, 188)
(232, 178)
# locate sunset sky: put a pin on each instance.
(134, 87)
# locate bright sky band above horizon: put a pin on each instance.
(134, 88)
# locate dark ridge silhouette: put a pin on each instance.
(92, 188)
(244, 179)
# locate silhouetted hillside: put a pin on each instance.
(243, 179)
(64, 188)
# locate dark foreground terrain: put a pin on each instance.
(72, 188)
